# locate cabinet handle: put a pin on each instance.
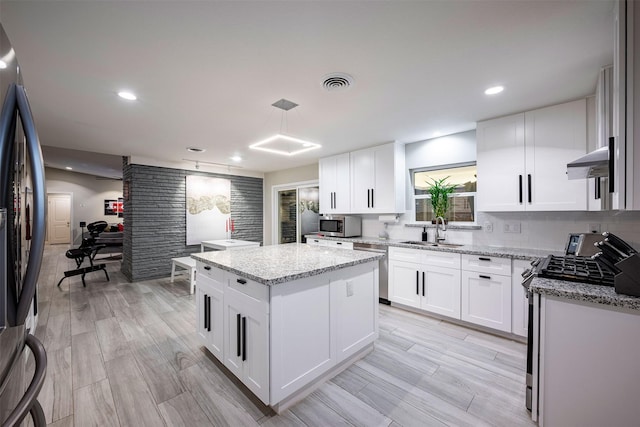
(335, 205)
(484, 258)
(423, 283)
(206, 267)
(417, 282)
(368, 198)
(520, 188)
(338, 243)
(372, 202)
(208, 313)
(529, 187)
(482, 276)
(612, 163)
(597, 192)
(244, 338)
(238, 316)
(241, 281)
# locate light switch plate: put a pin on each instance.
(488, 227)
(349, 288)
(511, 227)
(594, 228)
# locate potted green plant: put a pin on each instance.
(439, 191)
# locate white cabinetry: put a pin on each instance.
(334, 184)
(246, 334)
(210, 316)
(525, 156)
(519, 301)
(486, 291)
(377, 179)
(330, 243)
(429, 280)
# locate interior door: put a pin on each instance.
(59, 213)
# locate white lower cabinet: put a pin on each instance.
(519, 301)
(246, 340)
(418, 279)
(210, 312)
(486, 291)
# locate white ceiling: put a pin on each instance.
(207, 72)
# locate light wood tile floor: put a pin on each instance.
(126, 354)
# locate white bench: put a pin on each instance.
(188, 263)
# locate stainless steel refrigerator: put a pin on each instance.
(22, 234)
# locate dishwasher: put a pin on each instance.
(383, 269)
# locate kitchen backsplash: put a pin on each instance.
(536, 230)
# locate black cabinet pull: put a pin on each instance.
(484, 258)
(612, 162)
(244, 338)
(520, 187)
(209, 314)
(368, 198)
(335, 204)
(423, 283)
(238, 316)
(417, 282)
(241, 281)
(482, 276)
(338, 243)
(206, 312)
(597, 188)
(372, 202)
(529, 187)
(206, 267)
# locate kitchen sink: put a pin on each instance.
(441, 245)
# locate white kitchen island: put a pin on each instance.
(284, 318)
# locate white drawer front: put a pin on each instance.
(404, 254)
(486, 264)
(212, 273)
(441, 259)
(248, 287)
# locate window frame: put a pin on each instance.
(415, 197)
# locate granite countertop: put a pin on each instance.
(597, 294)
(497, 251)
(275, 264)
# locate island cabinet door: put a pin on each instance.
(405, 281)
(210, 316)
(441, 291)
(246, 341)
(301, 326)
(354, 303)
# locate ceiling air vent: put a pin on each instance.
(337, 81)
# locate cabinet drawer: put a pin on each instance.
(441, 259)
(211, 274)
(337, 244)
(314, 242)
(248, 287)
(403, 254)
(486, 264)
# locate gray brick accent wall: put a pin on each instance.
(155, 217)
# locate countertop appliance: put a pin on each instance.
(340, 225)
(22, 234)
(383, 268)
(615, 264)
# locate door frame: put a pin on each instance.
(275, 189)
(71, 222)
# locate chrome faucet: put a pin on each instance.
(440, 237)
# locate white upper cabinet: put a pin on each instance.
(377, 179)
(522, 160)
(335, 184)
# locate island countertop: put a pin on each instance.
(271, 265)
(598, 294)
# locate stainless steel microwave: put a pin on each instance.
(341, 226)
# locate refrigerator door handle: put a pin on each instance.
(28, 403)
(39, 206)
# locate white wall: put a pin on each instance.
(88, 194)
(286, 176)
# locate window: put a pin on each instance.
(461, 202)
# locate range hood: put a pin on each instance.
(591, 165)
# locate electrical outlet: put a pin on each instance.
(594, 228)
(511, 227)
(488, 227)
(349, 288)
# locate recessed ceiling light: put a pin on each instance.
(285, 145)
(236, 158)
(494, 90)
(196, 150)
(129, 96)
(69, 168)
(3, 65)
